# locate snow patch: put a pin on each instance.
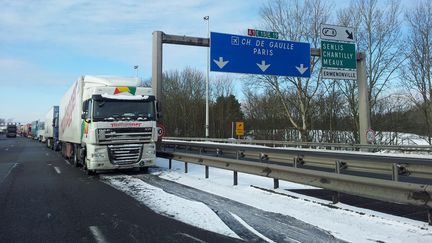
(187, 211)
(344, 222)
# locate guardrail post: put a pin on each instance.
(235, 178)
(275, 183)
(206, 172)
(186, 167)
(169, 164)
(336, 195)
(395, 172)
(295, 162)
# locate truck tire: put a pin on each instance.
(144, 169)
(76, 156)
(88, 172)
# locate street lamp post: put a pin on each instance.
(136, 68)
(207, 19)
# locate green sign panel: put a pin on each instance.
(338, 55)
(264, 34)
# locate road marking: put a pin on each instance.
(67, 162)
(250, 228)
(6, 149)
(190, 237)
(57, 169)
(7, 174)
(97, 234)
(46, 154)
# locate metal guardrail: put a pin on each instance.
(391, 165)
(319, 168)
(314, 145)
(391, 191)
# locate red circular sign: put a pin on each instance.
(161, 130)
(370, 135)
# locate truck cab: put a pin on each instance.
(11, 131)
(109, 123)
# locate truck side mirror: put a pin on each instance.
(83, 115)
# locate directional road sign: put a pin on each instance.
(246, 54)
(263, 33)
(337, 33)
(338, 54)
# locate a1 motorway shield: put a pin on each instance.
(252, 55)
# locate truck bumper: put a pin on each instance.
(102, 157)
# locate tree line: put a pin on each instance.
(397, 42)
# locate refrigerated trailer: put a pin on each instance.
(108, 123)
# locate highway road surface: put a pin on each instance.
(44, 199)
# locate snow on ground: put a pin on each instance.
(345, 222)
(190, 212)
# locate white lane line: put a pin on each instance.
(10, 170)
(6, 149)
(97, 234)
(67, 162)
(46, 154)
(241, 221)
(190, 237)
(57, 169)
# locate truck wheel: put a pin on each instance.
(91, 172)
(75, 161)
(144, 169)
(88, 172)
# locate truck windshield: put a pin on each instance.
(11, 128)
(112, 110)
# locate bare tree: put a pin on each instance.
(221, 86)
(296, 21)
(417, 72)
(184, 102)
(379, 36)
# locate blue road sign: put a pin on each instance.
(246, 54)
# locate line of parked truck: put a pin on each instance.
(102, 123)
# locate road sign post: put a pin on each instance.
(252, 55)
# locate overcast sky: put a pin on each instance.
(45, 45)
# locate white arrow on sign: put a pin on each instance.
(263, 66)
(302, 68)
(221, 63)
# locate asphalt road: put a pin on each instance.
(44, 199)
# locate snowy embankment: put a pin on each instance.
(187, 211)
(342, 221)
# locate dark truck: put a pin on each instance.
(11, 131)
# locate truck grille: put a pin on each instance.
(125, 134)
(125, 153)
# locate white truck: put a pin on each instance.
(108, 123)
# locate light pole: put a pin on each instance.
(207, 19)
(136, 68)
